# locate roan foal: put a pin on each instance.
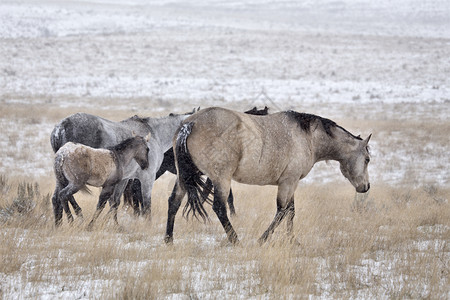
(77, 165)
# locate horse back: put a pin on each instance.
(94, 131)
(249, 149)
(79, 128)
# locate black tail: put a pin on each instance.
(189, 176)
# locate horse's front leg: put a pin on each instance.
(114, 201)
(106, 193)
(128, 194)
(137, 197)
(290, 216)
(285, 195)
(146, 188)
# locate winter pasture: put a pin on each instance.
(379, 67)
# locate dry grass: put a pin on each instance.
(393, 244)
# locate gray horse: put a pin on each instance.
(278, 149)
(78, 165)
(98, 132)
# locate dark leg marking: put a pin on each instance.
(221, 212)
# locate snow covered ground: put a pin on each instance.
(345, 60)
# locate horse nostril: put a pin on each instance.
(368, 186)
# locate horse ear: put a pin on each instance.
(147, 138)
(366, 141)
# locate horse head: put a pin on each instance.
(142, 150)
(354, 167)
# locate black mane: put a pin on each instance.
(258, 112)
(138, 119)
(305, 120)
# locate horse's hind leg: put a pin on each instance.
(57, 207)
(230, 201)
(220, 194)
(76, 207)
(64, 196)
(174, 204)
(208, 189)
(106, 193)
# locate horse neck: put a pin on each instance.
(165, 128)
(334, 147)
(137, 127)
(125, 156)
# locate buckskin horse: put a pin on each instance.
(278, 149)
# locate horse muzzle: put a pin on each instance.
(144, 165)
(363, 188)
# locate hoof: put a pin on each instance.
(168, 240)
(228, 243)
(90, 227)
(120, 229)
(293, 241)
(263, 239)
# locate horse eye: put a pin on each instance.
(367, 160)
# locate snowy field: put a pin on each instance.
(380, 67)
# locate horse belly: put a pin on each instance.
(252, 171)
(96, 180)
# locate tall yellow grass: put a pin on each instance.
(393, 243)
